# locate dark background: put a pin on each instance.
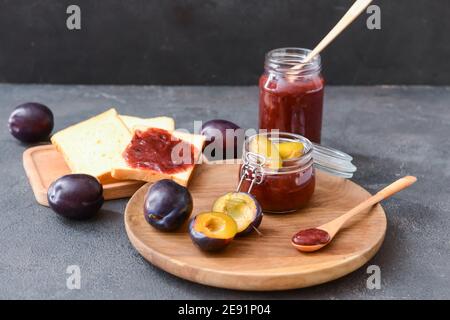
(219, 42)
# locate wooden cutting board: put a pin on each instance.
(44, 164)
(268, 262)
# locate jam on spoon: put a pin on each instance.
(311, 240)
(311, 237)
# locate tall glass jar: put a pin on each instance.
(291, 100)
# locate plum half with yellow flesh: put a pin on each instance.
(243, 208)
(265, 147)
(212, 231)
(290, 149)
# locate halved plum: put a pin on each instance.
(243, 208)
(212, 231)
(290, 150)
(265, 147)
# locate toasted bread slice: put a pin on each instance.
(94, 146)
(165, 123)
(126, 172)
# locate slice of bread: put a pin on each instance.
(165, 123)
(126, 172)
(94, 146)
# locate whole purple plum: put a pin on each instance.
(31, 122)
(228, 132)
(76, 196)
(167, 205)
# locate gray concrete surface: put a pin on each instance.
(391, 131)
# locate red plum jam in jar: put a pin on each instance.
(291, 100)
(282, 170)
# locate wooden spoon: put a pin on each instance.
(311, 240)
(356, 9)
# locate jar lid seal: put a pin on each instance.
(333, 161)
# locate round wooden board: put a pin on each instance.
(268, 262)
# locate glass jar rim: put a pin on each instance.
(288, 165)
(327, 159)
(282, 61)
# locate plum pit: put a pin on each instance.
(215, 225)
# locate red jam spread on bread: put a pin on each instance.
(158, 150)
